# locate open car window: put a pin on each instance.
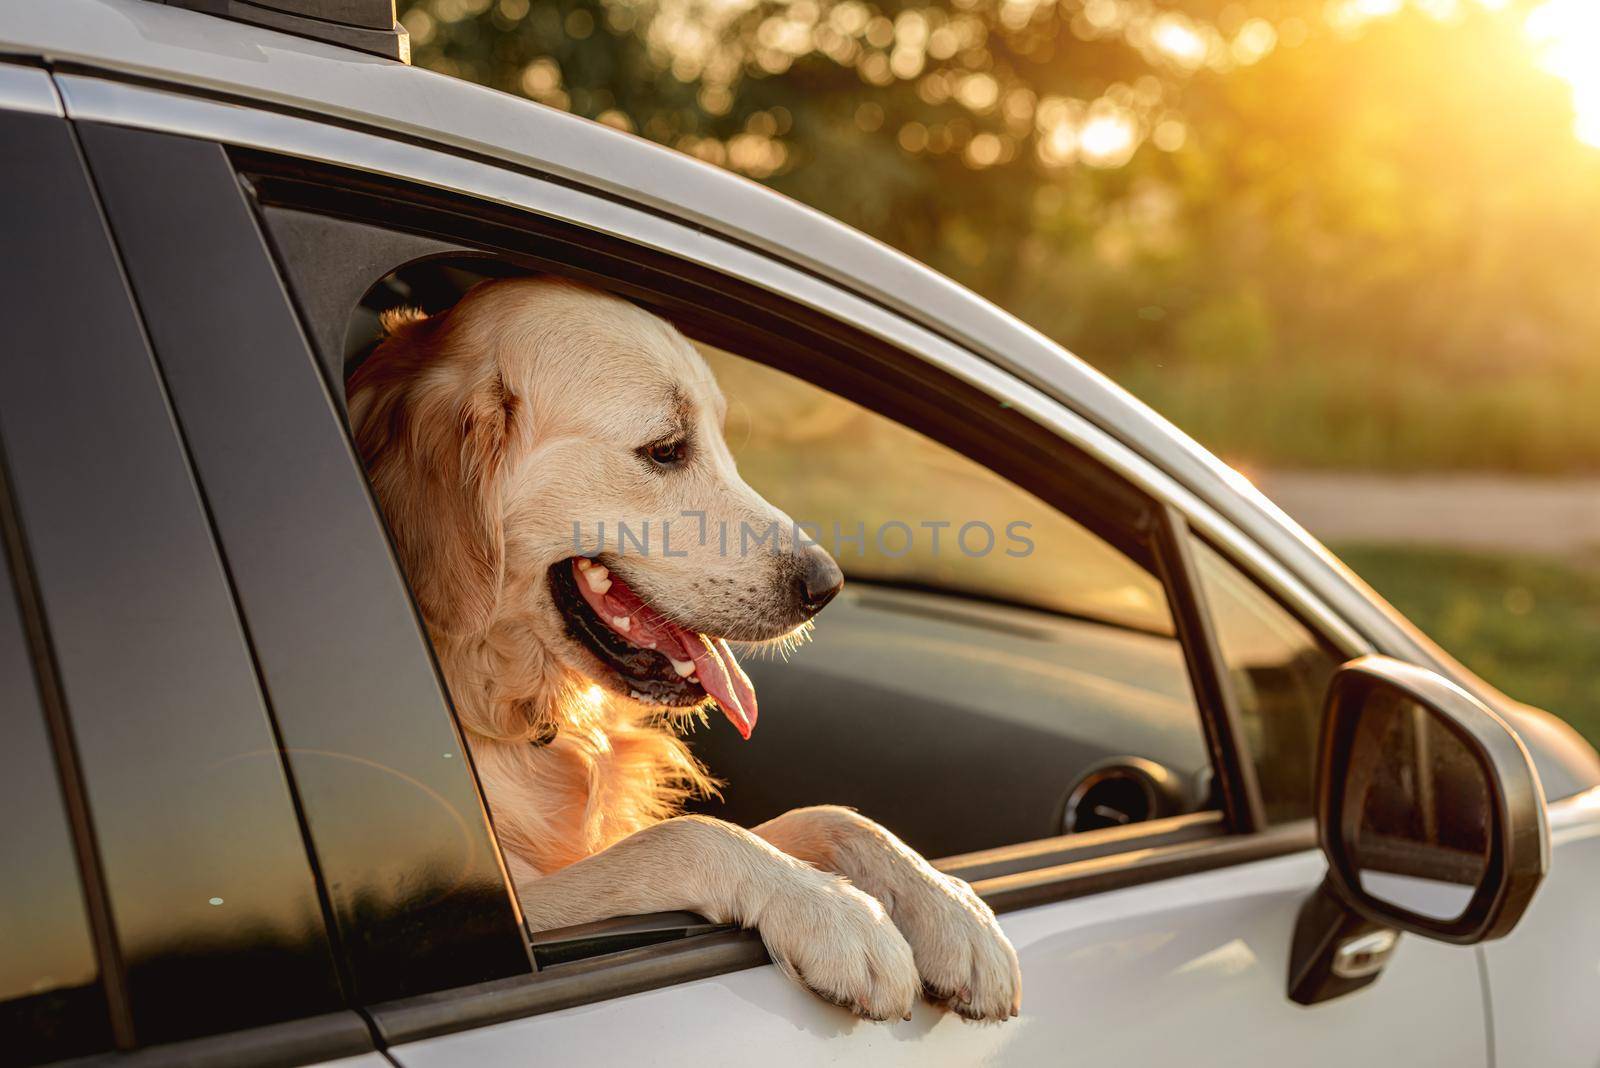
(994, 673)
(896, 507)
(1003, 666)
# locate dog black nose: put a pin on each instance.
(818, 581)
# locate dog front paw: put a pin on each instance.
(840, 943)
(965, 961)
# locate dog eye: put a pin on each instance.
(666, 453)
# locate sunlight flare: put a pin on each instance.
(1566, 34)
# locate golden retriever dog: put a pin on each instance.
(498, 436)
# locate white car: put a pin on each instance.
(1203, 774)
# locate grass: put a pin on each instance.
(1354, 415)
(1529, 625)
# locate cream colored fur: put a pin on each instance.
(487, 431)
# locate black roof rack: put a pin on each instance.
(367, 25)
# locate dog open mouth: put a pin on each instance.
(658, 660)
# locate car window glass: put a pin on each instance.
(391, 815)
(1279, 673)
(197, 840)
(966, 698)
(51, 1003)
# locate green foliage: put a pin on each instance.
(1529, 626)
(1362, 413)
(1229, 329)
(1308, 239)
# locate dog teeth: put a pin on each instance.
(622, 623)
(598, 578)
(684, 668)
(695, 679)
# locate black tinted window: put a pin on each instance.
(389, 805)
(51, 1004)
(210, 892)
(1279, 672)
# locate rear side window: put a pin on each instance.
(197, 859)
(51, 1002)
(1278, 671)
(389, 806)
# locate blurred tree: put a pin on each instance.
(881, 113)
(1378, 200)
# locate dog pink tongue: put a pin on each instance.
(722, 678)
(714, 665)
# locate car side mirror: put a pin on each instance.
(1432, 819)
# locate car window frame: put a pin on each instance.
(1100, 500)
(1169, 560)
(360, 151)
(1011, 876)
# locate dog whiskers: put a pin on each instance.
(782, 646)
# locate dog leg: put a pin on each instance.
(963, 958)
(823, 932)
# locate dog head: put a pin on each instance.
(551, 463)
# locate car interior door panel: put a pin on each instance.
(994, 714)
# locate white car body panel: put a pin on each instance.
(29, 89)
(1544, 978)
(1189, 971)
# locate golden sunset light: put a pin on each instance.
(1566, 34)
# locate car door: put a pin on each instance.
(1168, 939)
(1156, 948)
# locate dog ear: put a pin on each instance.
(433, 422)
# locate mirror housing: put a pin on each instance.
(1429, 809)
